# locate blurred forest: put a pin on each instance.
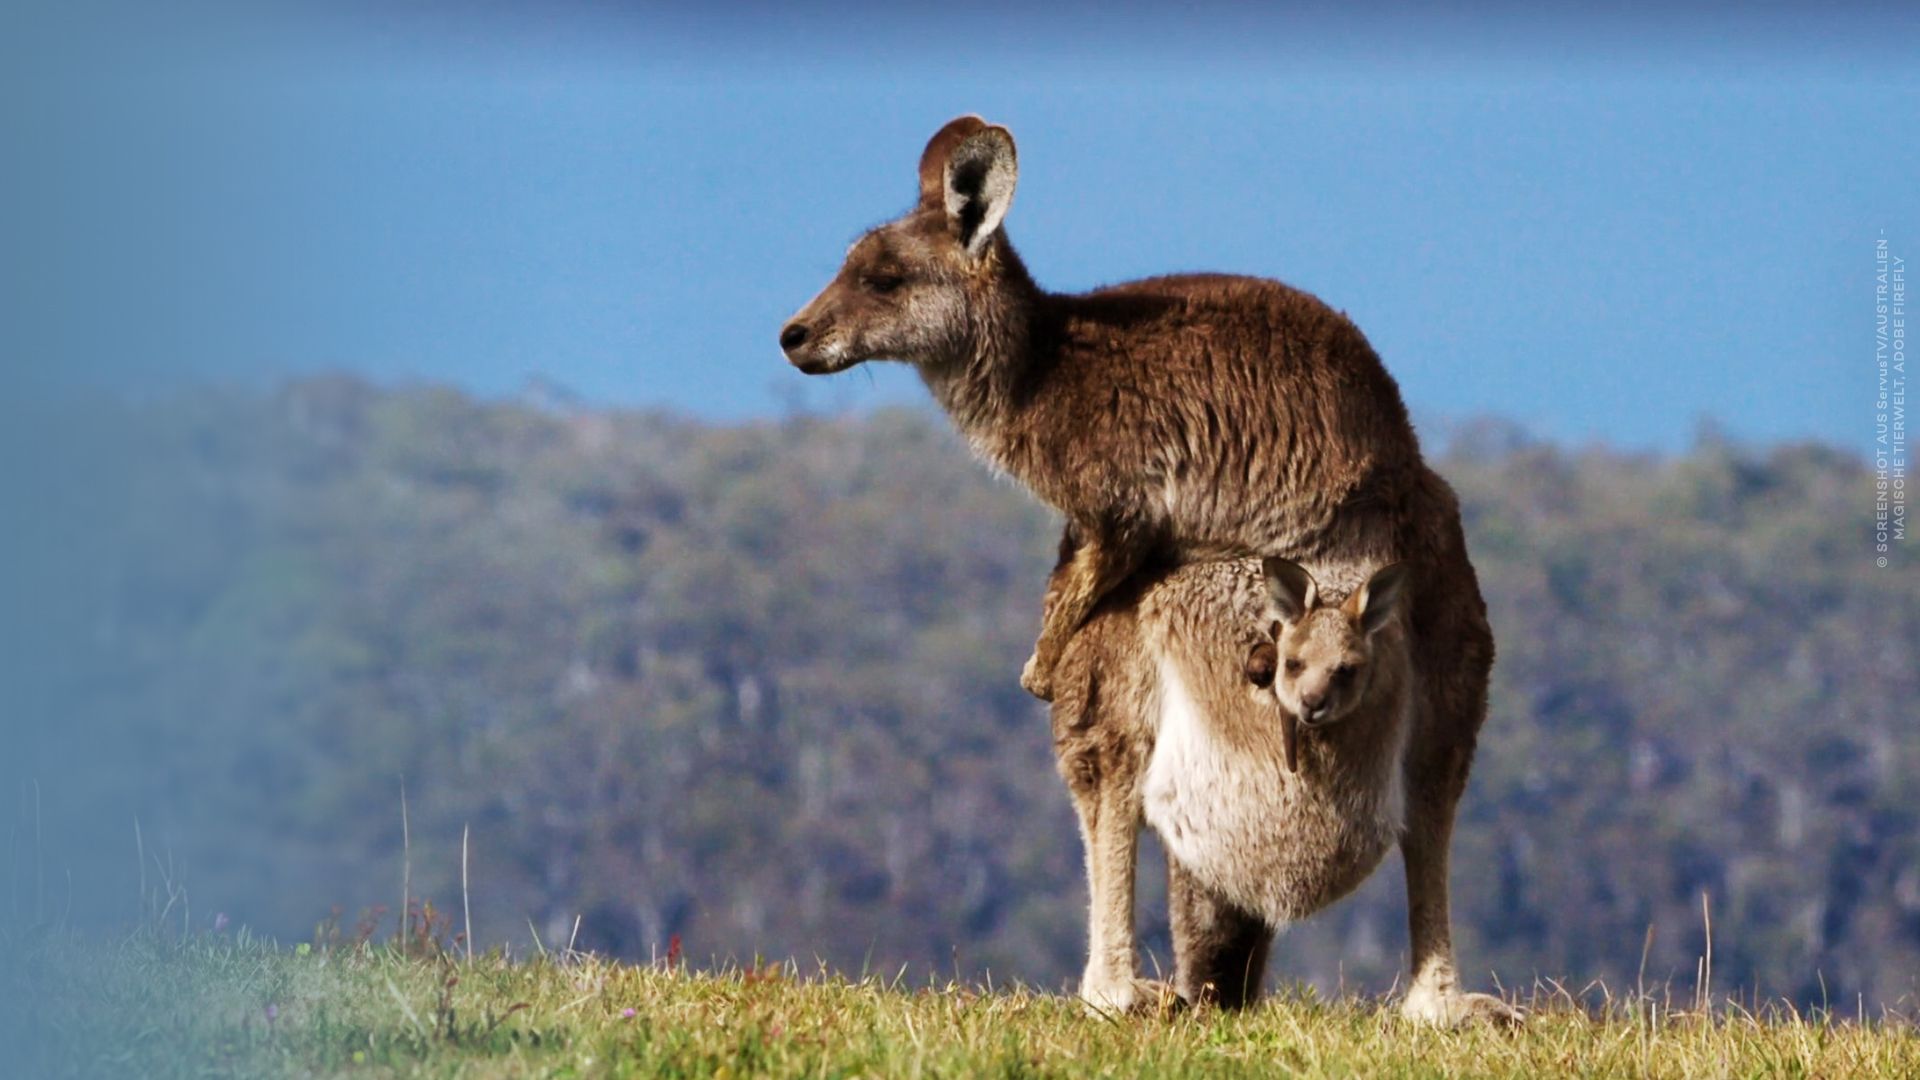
(755, 685)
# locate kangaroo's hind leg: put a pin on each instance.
(1434, 996)
(1219, 950)
(1454, 659)
(1100, 747)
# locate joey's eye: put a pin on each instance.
(883, 283)
(1343, 673)
(1295, 666)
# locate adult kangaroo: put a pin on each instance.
(1177, 418)
(1273, 764)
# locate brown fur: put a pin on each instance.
(1252, 843)
(1193, 416)
(1176, 418)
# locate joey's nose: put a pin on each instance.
(1311, 702)
(793, 336)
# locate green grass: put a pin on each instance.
(152, 1007)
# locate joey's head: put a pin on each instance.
(1322, 659)
(927, 287)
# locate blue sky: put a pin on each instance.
(1606, 229)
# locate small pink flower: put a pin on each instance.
(219, 922)
(628, 1014)
(273, 1012)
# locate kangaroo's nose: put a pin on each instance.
(1311, 702)
(793, 336)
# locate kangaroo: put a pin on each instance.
(1175, 418)
(1273, 763)
(1193, 416)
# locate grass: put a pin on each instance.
(219, 1006)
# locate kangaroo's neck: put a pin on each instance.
(988, 379)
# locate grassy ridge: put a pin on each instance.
(227, 1007)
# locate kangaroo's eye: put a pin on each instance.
(1343, 673)
(883, 283)
(1295, 666)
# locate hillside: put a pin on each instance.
(753, 687)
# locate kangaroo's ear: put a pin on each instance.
(968, 170)
(1289, 587)
(1375, 602)
(933, 160)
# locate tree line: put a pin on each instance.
(754, 686)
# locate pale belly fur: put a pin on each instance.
(1278, 844)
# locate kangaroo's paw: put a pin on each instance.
(1130, 996)
(1451, 1009)
(1036, 680)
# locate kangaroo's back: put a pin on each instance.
(1248, 413)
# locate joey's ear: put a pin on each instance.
(1290, 587)
(1375, 602)
(968, 171)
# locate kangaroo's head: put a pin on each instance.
(1322, 657)
(926, 287)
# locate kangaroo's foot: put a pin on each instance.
(1036, 678)
(1452, 1009)
(1129, 995)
